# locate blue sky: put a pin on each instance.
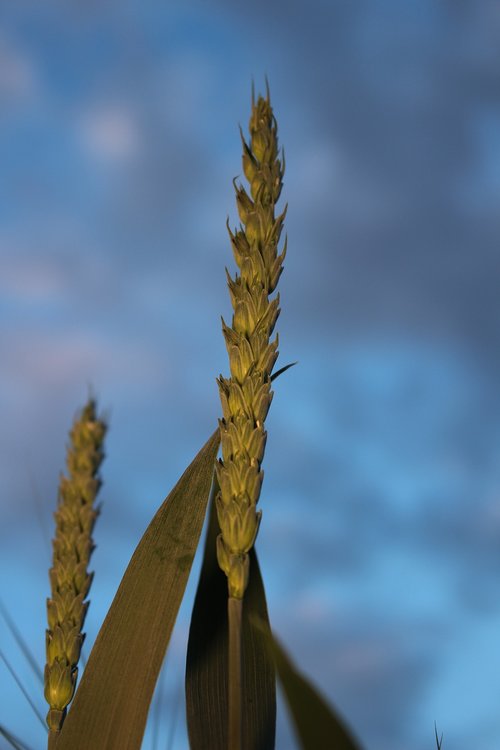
(381, 504)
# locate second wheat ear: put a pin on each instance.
(72, 548)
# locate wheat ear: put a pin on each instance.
(246, 395)
(72, 547)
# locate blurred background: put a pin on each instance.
(380, 541)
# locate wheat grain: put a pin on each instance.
(72, 547)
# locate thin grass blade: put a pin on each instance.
(439, 740)
(23, 646)
(207, 659)
(12, 739)
(22, 689)
(174, 715)
(112, 702)
(317, 724)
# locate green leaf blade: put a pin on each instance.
(317, 725)
(112, 702)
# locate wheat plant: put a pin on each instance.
(246, 396)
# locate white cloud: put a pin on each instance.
(110, 132)
(31, 280)
(43, 360)
(312, 608)
(17, 75)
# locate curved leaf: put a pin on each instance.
(317, 725)
(111, 704)
(207, 659)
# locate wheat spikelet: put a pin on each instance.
(246, 396)
(72, 547)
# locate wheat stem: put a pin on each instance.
(234, 611)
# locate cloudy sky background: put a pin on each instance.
(380, 541)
